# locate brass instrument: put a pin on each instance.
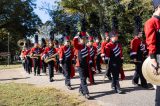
(51, 58)
(33, 56)
(147, 71)
(21, 43)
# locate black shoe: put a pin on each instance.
(119, 91)
(135, 84)
(69, 87)
(112, 86)
(81, 93)
(109, 77)
(99, 71)
(51, 80)
(144, 86)
(34, 74)
(87, 96)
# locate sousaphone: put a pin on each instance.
(147, 70)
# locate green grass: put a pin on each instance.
(128, 67)
(2, 67)
(12, 94)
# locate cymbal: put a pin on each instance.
(147, 71)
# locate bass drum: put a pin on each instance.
(148, 73)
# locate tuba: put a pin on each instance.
(21, 43)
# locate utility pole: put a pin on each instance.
(8, 50)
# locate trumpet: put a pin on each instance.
(48, 59)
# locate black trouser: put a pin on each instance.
(51, 69)
(28, 65)
(24, 65)
(59, 68)
(157, 101)
(115, 70)
(139, 74)
(136, 77)
(108, 71)
(67, 73)
(44, 65)
(83, 77)
(98, 63)
(36, 66)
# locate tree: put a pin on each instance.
(124, 10)
(17, 20)
(60, 20)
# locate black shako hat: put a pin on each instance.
(51, 34)
(156, 3)
(36, 38)
(114, 31)
(43, 42)
(138, 25)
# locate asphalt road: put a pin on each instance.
(101, 93)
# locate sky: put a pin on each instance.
(44, 16)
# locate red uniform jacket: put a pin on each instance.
(79, 47)
(98, 47)
(22, 54)
(67, 53)
(113, 51)
(27, 52)
(36, 50)
(42, 54)
(56, 65)
(57, 48)
(137, 48)
(49, 51)
(152, 30)
(103, 44)
(146, 50)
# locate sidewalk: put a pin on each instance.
(101, 92)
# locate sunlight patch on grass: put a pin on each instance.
(128, 67)
(3, 67)
(12, 94)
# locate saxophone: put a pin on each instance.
(50, 58)
(33, 56)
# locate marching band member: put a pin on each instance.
(93, 53)
(57, 66)
(97, 45)
(113, 54)
(137, 53)
(105, 40)
(22, 56)
(152, 32)
(35, 54)
(66, 59)
(43, 46)
(50, 54)
(28, 61)
(83, 62)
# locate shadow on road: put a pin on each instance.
(14, 79)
